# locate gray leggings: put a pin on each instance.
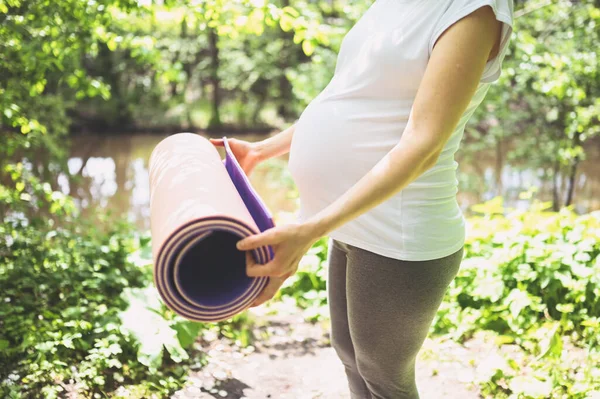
(381, 309)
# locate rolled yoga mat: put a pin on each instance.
(200, 207)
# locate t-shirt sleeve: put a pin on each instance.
(458, 9)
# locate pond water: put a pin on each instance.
(111, 175)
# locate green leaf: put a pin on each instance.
(256, 21)
(178, 354)
(518, 301)
(554, 344)
(187, 332)
(531, 387)
(111, 44)
(291, 11)
(286, 22)
(565, 307)
(308, 47)
(504, 339)
(494, 206)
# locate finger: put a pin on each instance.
(271, 269)
(260, 300)
(258, 240)
(250, 262)
(263, 297)
(217, 142)
(268, 293)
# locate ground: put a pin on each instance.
(292, 359)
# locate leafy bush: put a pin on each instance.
(533, 278)
(307, 288)
(158, 330)
(61, 299)
(525, 268)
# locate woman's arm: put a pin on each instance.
(452, 76)
(276, 145)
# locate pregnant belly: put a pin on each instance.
(337, 142)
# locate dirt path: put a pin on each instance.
(295, 361)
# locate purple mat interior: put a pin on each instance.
(258, 210)
(213, 285)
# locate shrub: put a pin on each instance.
(61, 300)
(307, 288)
(526, 268)
(533, 278)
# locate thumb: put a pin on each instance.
(250, 262)
(217, 142)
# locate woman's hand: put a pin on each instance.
(290, 243)
(251, 154)
(269, 291)
(247, 154)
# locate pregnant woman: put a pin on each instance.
(373, 159)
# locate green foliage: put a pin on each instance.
(60, 326)
(114, 64)
(531, 277)
(43, 45)
(307, 288)
(156, 329)
(524, 268)
(238, 329)
(569, 373)
(548, 95)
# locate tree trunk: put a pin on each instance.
(286, 58)
(242, 119)
(122, 115)
(177, 55)
(571, 184)
(573, 173)
(122, 198)
(260, 89)
(499, 167)
(215, 119)
(555, 196)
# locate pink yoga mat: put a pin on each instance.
(200, 207)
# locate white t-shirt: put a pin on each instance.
(361, 115)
